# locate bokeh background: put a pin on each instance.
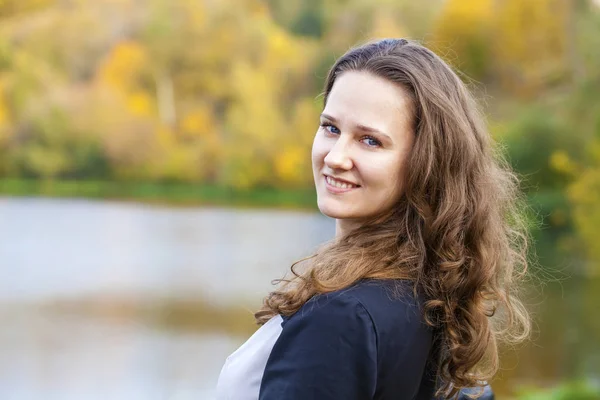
(155, 177)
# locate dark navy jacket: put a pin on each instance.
(362, 342)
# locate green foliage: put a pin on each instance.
(162, 192)
(55, 149)
(309, 23)
(532, 138)
(579, 390)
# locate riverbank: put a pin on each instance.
(176, 194)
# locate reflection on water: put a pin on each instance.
(124, 301)
(63, 357)
(131, 294)
(59, 248)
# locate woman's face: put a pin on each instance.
(360, 150)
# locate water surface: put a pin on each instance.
(126, 301)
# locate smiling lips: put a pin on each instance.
(338, 186)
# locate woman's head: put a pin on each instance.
(433, 202)
(424, 130)
(360, 150)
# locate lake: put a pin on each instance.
(103, 299)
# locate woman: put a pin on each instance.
(411, 297)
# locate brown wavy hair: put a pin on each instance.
(458, 231)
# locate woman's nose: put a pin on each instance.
(339, 156)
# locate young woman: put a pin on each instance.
(410, 298)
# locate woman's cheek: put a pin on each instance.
(319, 149)
(378, 170)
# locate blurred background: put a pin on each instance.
(155, 177)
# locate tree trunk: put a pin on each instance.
(166, 99)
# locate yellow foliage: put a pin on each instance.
(284, 53)
(196, 12)
(460, 19)
(181, 163)
(258, 9)
(254, 125)
(523, 42)
(304, 124)
(165, 138)
(50, 162)
(465, 16)
(200, 122)
(123, 65)
(289, 164)
(254, 114)
(531, 42)
(139, 104)
(585, 197)
(594, 150)
(258, 122)
(279, 44)
(127, 140)
(385, 25)
(305, 119)
(3, 107)
(190, 162)
(561, 162)
(10, 8)
(5, 125)
(463, 26)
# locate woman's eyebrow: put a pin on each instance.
(360, 127)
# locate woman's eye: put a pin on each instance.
(368, 140)
(330, 128)
(371, 141)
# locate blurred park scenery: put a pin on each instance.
(155, 177)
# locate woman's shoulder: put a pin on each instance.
(351, 342)
(384, 295)
(391, 303)
(379, 297)
(389, 307)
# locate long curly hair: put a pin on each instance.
(458, 231)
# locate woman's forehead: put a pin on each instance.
(363, 98)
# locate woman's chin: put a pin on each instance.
(335, 211)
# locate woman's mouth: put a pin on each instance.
(336, 186)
